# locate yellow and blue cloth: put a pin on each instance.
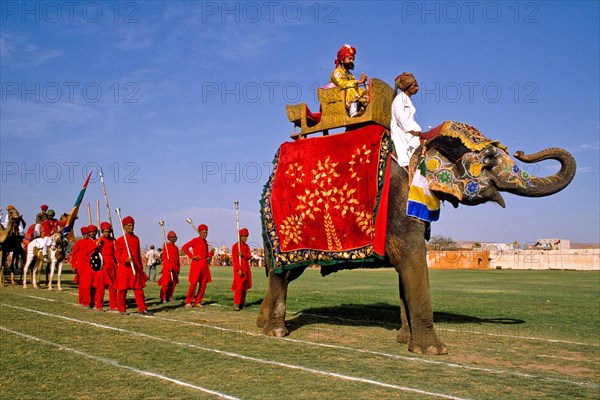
(422, 203)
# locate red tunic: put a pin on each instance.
(48, 227)
(171, 266)
(75, 259)
(243, 282)
(198, 268)
(125, 278)
(84, 268)
(109, 269)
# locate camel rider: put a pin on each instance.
(48, 227)
(10, 209)
(42, 214)
(356, 97)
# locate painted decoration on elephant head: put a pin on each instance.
(468, 178)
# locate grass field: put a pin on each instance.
(511, 335)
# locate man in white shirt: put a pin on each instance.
(405, 130)
(152, 260)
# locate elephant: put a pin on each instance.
(465, 168)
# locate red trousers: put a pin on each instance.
(239, 297)
(112, 298)
(139, 299)
(166, 291)
(199, 296)
(85, 295)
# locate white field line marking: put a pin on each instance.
(373, 352)
(117, 364)
(243, 357)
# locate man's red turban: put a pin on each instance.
(344, 52)
(105, 225)
(128, 220)
(202, 227)
(244, 232)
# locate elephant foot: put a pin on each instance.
(403, 335)
(24, 286)
(59, 288)
(275, 329)
(35, 286)
(429, 345)
(49, 288)
(261, 320)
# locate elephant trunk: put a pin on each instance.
(539, 187)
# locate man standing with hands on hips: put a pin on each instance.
(199, 270)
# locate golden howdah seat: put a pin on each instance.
(334, 113)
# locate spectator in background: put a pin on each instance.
(152, 260)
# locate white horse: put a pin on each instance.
(56, 254)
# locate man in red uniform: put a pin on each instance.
(109, 267)
(93, 247)
(242, 276)
(75, 257)
(199, 270)
(170, 271)
(127, 264)
(80, 257)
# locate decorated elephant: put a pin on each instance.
(462, 167)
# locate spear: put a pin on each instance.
(105, 196)
(98, 215)
(237, 226)
(89, 213)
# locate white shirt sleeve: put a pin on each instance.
(404, 111)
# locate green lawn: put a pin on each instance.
(511, 335)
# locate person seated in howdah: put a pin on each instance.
(356, 97)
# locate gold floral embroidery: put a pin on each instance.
(295, 173)
(323, 198)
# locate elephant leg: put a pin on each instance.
(403, 335)
(409, 255)
(271, 317)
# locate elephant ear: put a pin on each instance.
(443, 176)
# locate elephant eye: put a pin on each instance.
(489, 160)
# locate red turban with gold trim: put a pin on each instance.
(344, 52)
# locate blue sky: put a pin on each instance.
(183, 103)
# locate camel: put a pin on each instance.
(10, 242)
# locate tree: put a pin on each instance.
(440, 242)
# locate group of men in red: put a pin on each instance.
(122, 268)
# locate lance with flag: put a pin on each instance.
(68, 229)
